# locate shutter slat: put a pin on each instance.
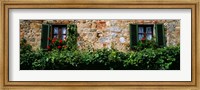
(160, 35)
(133, 35)
(45, 35)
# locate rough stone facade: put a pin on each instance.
(97, 34)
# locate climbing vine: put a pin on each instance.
(72, 37)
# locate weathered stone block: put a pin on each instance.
(122, 40)
(94, 25)
(115, 29)
(66, 22)
(101, 25)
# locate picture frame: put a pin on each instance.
(100, 5)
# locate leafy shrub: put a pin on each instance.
(26, 55)
(24, 47)
(146, 44)
(149, 59)
(166, 58)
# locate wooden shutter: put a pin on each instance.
(45, 35)
(133, 35)
(160, 37)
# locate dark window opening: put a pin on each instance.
(145, 32)
(59, 32)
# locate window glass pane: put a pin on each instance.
(149, 36)
(141, 30)
(63, 37)
(140, 36)
(148, 29)
(55, 31)
(64, 30)
(55, 36)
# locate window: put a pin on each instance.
(145, 32)
(52, 31)
(59, 31)
(140, 32)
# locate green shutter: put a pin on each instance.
(45, 35)
(133, 35)
(160, 37)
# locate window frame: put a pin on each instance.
(157, 28)
(145, 31)
(59, 32)
(45, 36)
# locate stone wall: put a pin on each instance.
(97, 34)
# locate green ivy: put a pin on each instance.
(72, 37)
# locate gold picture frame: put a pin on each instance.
(6, 5)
